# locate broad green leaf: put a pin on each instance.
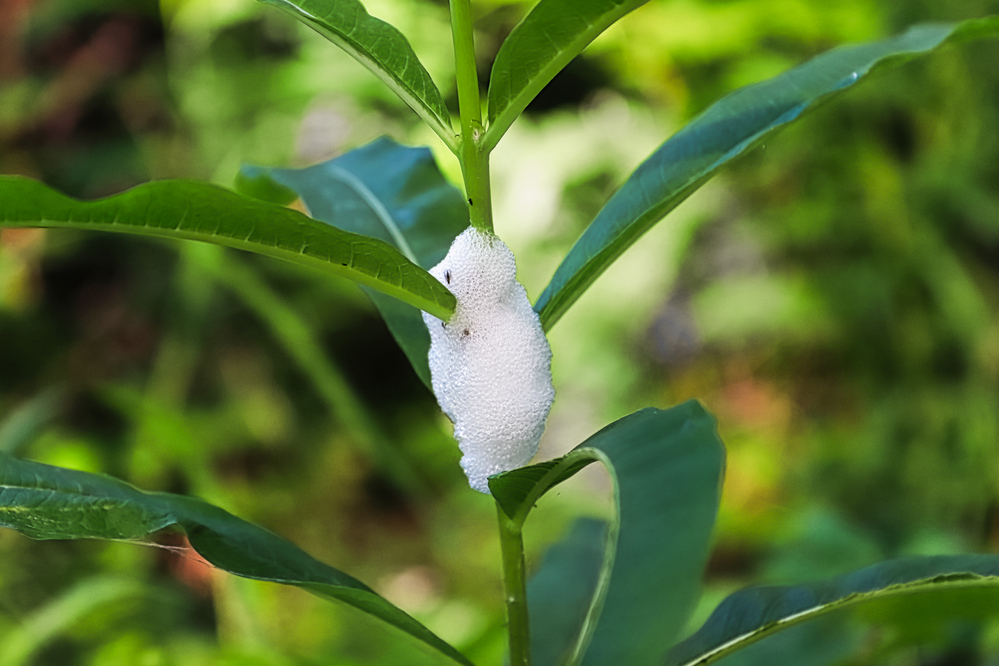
(390, 192)
(45, 502)
(537, 49)
(666, 467)
(516, 491)
(757, 613)
(826, 641)
(559, 610)
(381, 48)
(198, 211)
(728, 129)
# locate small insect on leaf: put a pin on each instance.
(447, 276)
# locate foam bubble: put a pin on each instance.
(490, 365)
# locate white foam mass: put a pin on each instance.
(490, 365)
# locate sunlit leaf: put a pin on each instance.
(199, 211)
(45, 502)
(666, 467)
(757, 613)
(550, 36)
(391, 192)
(381, 48)
(728, 129)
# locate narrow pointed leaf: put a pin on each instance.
(199, 211)
(666, 467)
(390, 192)
(756, 613)
(728, 129)
(45, 502)
(538, 48)
(381, 48)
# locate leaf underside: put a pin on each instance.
(45, 502)
(381, 48)
(390, 192)
(192, 210)
(731, 127)
(667, 468)
(757, 613)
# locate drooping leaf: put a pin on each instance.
(517, 490)
(381, 48)
(390, 192)
(537, 49)
(199, 211)
(666, 467)
(728, 129)
(757, 613)
(45, 502)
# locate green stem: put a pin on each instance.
(515, 588)
(473, 157)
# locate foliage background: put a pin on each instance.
(832, 299)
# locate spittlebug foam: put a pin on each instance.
(490, 364)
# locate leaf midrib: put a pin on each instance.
(377, 207)
(913, 587)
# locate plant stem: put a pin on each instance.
(515, 588)
(474, 159)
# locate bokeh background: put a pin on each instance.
(833, 298)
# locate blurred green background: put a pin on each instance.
(833, 299)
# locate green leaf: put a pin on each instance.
(199, 211)
(516, 491)
(381, 48)
(537, 49)
(728, 129)
(756, 613)
(667, 469)
(44, 502)
(558, 610)
(823, 642)
(390, 192)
